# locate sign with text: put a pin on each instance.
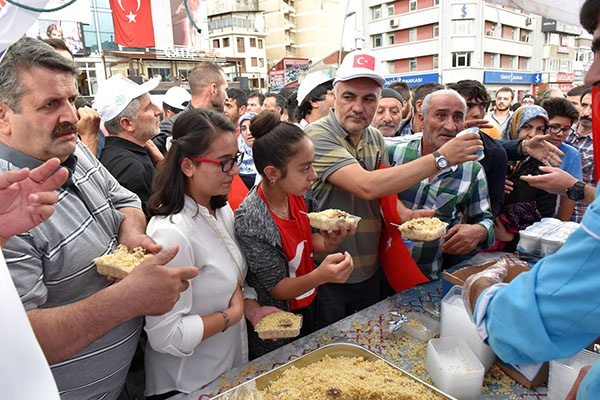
(518, 78)
(414, 80)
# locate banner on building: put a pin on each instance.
(285, 73)
(189, 29)
(133, 23)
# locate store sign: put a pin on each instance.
(521, 78)
(183, 52)
(414, 80)
(565, 77)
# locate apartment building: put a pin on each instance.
(237, 31)
(445, 41)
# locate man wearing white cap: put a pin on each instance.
(132, 120)
(175, 101)
(348, 153)
(87, 326)
(315, 98)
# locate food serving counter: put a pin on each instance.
(368, 328)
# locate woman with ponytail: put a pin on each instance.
(274, 231)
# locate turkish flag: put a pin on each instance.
(399, 267)
(364, 61)
(133, 23)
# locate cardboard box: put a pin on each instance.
(459, 277)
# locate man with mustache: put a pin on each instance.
(87, 326)
(132, 120)
(500, 115)
(348, 155)
(582, 140)
(457, 194)
(389, 112)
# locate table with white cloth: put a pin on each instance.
(368, 328)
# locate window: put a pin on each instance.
(253, 61)
(435, 61)
(226, 42)
(261, 62)
(390, 38)
(377, 40)
(240, 45)
(412, 5)
(376, 12)
(260, 43)
(390, 9)
(252, 42)
(461, 59)
(412, 64)
(494, 60)
(514, 33)
(462, 26)
(436, 30)
(216, 43)
(412, 35)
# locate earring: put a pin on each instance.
(272, 182)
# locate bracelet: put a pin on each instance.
(521, 145)
(226, 320)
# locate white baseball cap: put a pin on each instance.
(310, 82)
(177, 97)
(360, 64)
(115, 93)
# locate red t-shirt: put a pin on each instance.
(296, 240)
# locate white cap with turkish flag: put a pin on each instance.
(360, 64)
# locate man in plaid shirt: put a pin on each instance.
(457, 195)
(581, 139)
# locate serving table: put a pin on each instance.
(368, 328)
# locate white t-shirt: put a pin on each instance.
(24, 371)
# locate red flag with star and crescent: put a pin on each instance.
(133, 23)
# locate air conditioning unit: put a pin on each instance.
(528, 21)
(490, 33)
(526, 38)
(394, 22)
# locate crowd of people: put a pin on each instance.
(217, 184)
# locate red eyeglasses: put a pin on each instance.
(226, 165)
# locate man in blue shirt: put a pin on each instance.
(559, 295)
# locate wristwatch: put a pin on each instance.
(441, 162)
(576, 192)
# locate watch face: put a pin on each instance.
(575, 193)
(441, 162)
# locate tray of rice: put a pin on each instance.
(331, 219)
(121, 262)
(279, 325)
(336, 371)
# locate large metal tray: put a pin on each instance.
(332, 350)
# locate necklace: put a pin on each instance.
(216, 228)
(282, 213)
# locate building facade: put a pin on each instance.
(445, 41)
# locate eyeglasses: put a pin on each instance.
(482, 106)
(226, 165)
(557, 129)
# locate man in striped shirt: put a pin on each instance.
(457, 194)
(87, 326)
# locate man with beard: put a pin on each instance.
(458, 195)
(348, 155)
(582, 140)
(208, 86)
(500, 115)
(389, 112)
(87, 326)
(235, 105)
(129, 154)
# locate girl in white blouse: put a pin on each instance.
(204, 335)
